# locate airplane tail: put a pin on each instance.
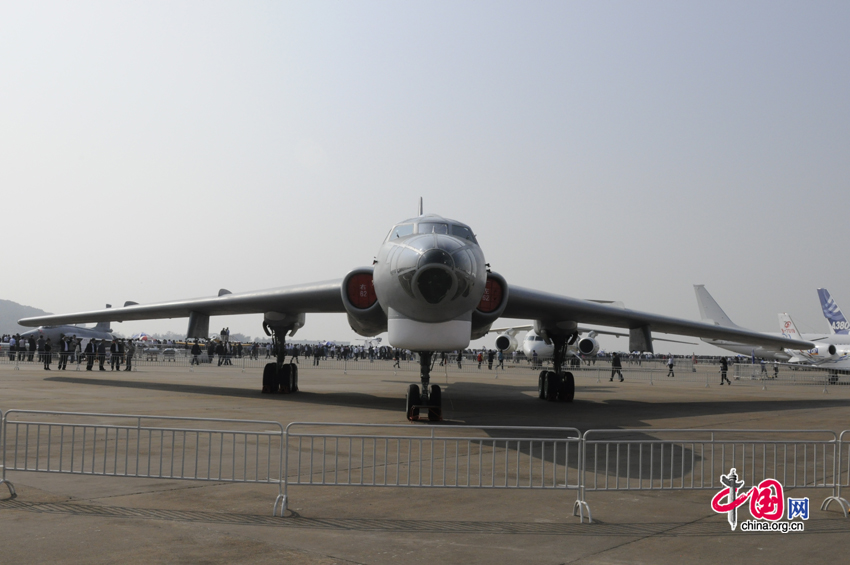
(787, 326)
(709, 310)
(837, 322)
(103, 326)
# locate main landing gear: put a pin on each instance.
(558, 385)
(430, 397)
(280, 377)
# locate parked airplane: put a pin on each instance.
(831, 350)
(533, 342)
(711, 313)
(100, 331)
(55, 333)
(431, 290)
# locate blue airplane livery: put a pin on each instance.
(838, 324)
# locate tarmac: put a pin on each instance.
(85, 519)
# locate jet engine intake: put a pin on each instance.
(588, 346)
(506, 343)
(824, 351)
(365, 315)
(491, 305)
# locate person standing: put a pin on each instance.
(101, 354)
(501, 359)
(196, 353)
(64, 351)
(113, 357)
(39, 347)
(459, 359)
(46, 355)
(724, 367)
(131, 350)
(90, 351)
(616, 367)
(13, 348)
(31, 345)
(670, 364)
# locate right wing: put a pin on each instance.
(530, 304)
(320, 297)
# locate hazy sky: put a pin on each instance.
(610, 150)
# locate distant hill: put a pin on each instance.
(11, 312)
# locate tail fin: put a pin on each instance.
(103, 326)
(787, 327)
(709, 310)
(837, 322)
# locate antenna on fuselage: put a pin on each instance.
(420, 206)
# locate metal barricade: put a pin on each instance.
(151, 447)
(676, 459)
(333, 454)
(842, 477)
(3, 480)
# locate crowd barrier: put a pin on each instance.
(123, 445)
(415, 456)
(383, 455)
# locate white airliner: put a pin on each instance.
(711, 313)
(830, 350)
(533, 342)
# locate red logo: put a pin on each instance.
(766, 500)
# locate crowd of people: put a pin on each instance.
(71, 349)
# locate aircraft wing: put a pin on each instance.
(525, 303)
(317, 297)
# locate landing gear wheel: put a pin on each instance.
(541, 385)
(293, 378)
(553, 384)
(413, 399)
(269, 378)
(568, 388)
(284, 377)
(435, 404)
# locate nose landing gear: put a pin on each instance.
(430, 398)
(558, 385)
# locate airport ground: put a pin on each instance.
(81, 519)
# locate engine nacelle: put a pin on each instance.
(588, 346)
(365, 315)
(492, 304)
(824, 351)
(506, 343)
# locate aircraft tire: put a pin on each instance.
(413, 398)
(269, 378)
(284, 377)
(553, 385)
(293, 375)
(541, 385)
(435, 404)
(568, 388)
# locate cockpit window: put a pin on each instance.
(401, 231)
(433, 227)
(463, 232)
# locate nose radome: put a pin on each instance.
(434, 283)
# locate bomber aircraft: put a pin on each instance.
(431, 290)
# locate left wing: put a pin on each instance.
(527, 304)
(320, 297)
